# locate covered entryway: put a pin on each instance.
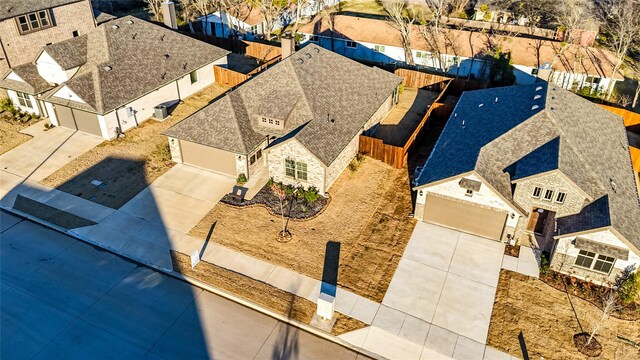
(465, 216)
(209, 158)
(78, 120)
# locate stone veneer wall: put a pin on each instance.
(174, 148)
(380, 114)
(22, 49)
(294, 150)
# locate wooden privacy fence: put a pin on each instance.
(630, 118)
(396, 156)
(228, 77)
(417, 79)
(263, 52)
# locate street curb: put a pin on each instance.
(202, 285)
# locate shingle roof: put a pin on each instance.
(102, 17)
(543, 159)
(307, 89)
(592, 149)
(125, 59)
(11, 8)
(33, 83)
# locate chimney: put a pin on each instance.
(169, 14)
(288, 44)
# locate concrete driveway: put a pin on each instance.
(448, 279)
(180, 198)
(47, 152)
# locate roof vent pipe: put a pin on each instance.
(496, 100)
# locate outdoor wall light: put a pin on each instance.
(421, 193)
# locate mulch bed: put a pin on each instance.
(593, 349)
(512, 250)
(294, 208)
(590, 292)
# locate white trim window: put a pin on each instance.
(193, 76)
(537, 191)
(314, 38)
(351, 44)
(378, 48)
(561, 197)
(295, 169)
(596, 262)
(548, 195)
(423, 55)
(24, 100)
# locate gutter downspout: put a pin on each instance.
(178, 88)
(4, 53)
(119, 131)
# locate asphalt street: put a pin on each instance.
(61, 298)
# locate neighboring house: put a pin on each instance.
(28, 25)
(488, 10)
(301, 118)
(467, 52)
(540, 165)
(110, 79)
(248, 23)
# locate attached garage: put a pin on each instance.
(208, 158)
(465, 216)
(78, 120)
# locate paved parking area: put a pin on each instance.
(448, 279)
(64, 299)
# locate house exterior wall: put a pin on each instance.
(143, 107)
(566, 253)
(174, 148)
(573, 203)
(342, 161)
(51, 71)
(20, 49)
(68, 94)
(485, 197)
(34, 102)
(380, 113)
(256, 166)
(292, 149)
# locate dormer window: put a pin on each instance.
(31, 22)
(274, 123)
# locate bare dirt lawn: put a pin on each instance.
(10, 135)
(126, 166)
(548, 322)
(367, 214)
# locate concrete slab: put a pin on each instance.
(432, 245)
(391, 346)
(467, 349)
(254, 268)
(528, 262)
(428, 354)
(414, 330)
(510, 263)
(389, 320)
(83, 340)
(79, 206)
(491, 353)
(7, 220)
(196, 183)
(148, 304)
(28, 324)
(142, 229)
(9, 187)
(104, 236)
(415, 289)
(364, 310)
(81, 288)
(256, 183)
(477, 259)
(345, 300)
(167, 208)
(465, 307)
(356, 337)
(290, 281)
(36, 129)
(43, 155)
(441, 340)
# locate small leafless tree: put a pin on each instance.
(431, 28)
(621, 25)
(609, 304)
(456, 7)
(272, 11)
(402, 19)
(154, 7)
(299, 4)
(279, 190)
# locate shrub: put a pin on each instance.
(7, 105)
(355, 163)
(544, 262)
(289, 189)
(311, 195)
(162, 152)
(629, 289)
(270, 182)
(400, 88)
(300, 192)
(242, 179)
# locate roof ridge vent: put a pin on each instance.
(134, 36)
(613, 185)
(166, 56)
(130, 22)
(300, 60)
(538, 96)
(534, 107)
(330, 119)
(496, 100)
(481, 105)
(308, 55)
(538, 88)
(107, 68)
(463, 124)
(115, 27)
(162, 37)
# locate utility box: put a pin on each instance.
(326, 305)
(161, 112)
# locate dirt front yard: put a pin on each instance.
(10, 135)
(126, 166)
(548, 322)
(367, 214)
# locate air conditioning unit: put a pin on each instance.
(160, 112)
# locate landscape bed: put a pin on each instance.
(546, 318)
(368, 215)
